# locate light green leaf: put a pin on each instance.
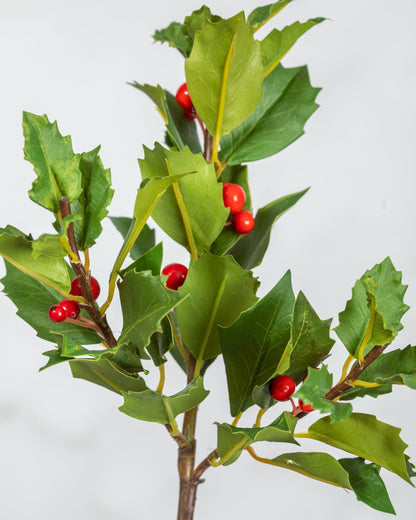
(144, 301)
(92, 204)
(154, 407)
(150, 261)
(309, 338)
(278, 43)
(250, 250)
(277, 121)
(144, 242)
(254, 344)
(263, 14)
(56, 165)
(219, 290)
(224, 74)
(53, 245)
(365, 436)
(367, 484)
(174, 36)
(194, 23)
(313, 391)
(192, 212)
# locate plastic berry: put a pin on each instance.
(71, 308)
(76, 288)
(282, 387)
(305, 407)
(183, 98)
(189, 114)
(243, 221)
(176, 274)
(234, 197)
(57, 313)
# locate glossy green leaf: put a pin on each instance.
(251, 248)
(154, 407)
(365, 436)
(278, 43)
(254, 344)
(195, 21)
(277, 121)
(91, 205)
(224, 74)
(145, 241)
(381, 290)
(174, 36)
(55, 164)
(315, 465)
(313, 390)
(231, 440)
(17, 249)
(160, 343)
(309, 339)
(193, 212)
(367, 484)
(33, 300)
(150, 261)
(263, 14)
(219, 290)
(144, 301)
(53, 245)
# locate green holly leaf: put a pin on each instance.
(309, 338)
(232, 440)
(192, 212)
(277, 121)
(33, 300)
(219, 290)
(144, 242)
(55, 164)
(174, 36)
(53, 245)
(365, 436)
(315, 465)
(224, 82)
(155, 407)
(160, 343)
(261, 15)
(150, 261)
(372, 316)
(251, 248)
(278, 43)
(91, 205)
(313, 390)
(254, 344)
(367, 484)
(194, 23)
(144, 301)
(228, 236)
(17, 249)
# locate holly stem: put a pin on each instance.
(161, 384)
(260, 414)
(236, 419)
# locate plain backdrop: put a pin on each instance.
(65, 450)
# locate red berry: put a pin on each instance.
(189, 114)
(282, 387)
(243, 221)
(234, 197)
(76, 288)
(183, 98)
(305, 407)
(176, 274)
(71, 308)
(57, 313)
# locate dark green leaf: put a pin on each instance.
(277, 121)
(224, 74)
(160, 343)
(365, 436)
(254, 344)
(263, 14)
(56, 165)
(367, 484)
(313, 390)
(310, 339)
(174, 36)
(250, 250)
(150, 261)
(193, 212)
(185, 128)
(154, 407)
(144, 242)
(219, 290)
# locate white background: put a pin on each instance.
(66, 452)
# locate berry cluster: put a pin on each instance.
(70, 308)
